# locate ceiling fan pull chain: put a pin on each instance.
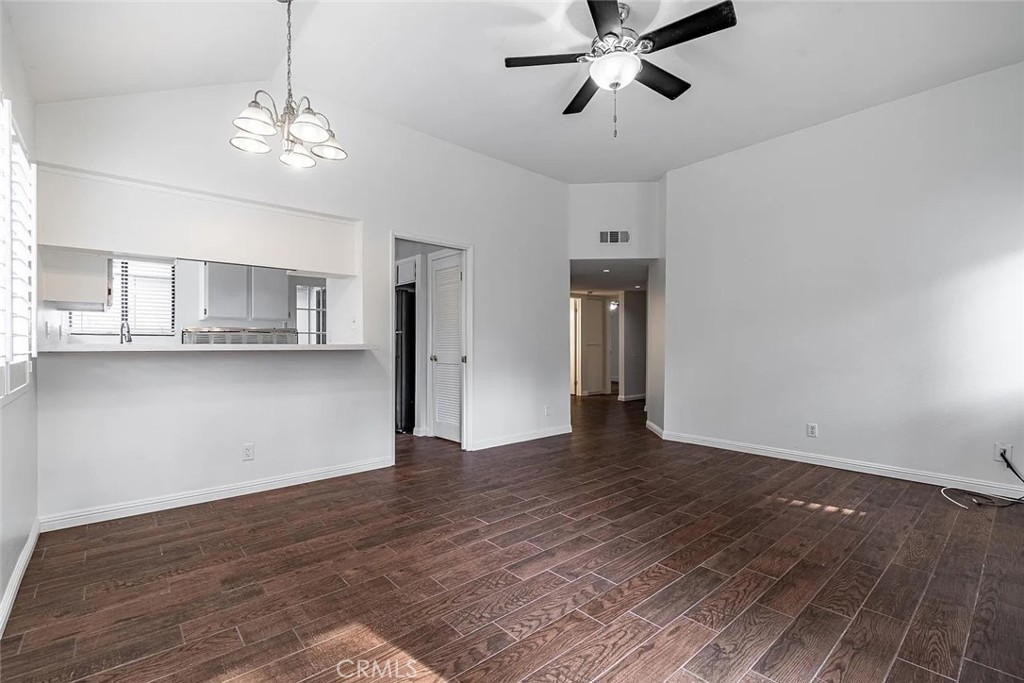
(615, 113)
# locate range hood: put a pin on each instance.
(239, 335)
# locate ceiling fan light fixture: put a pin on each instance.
(296, 156)
(329, 149)
(615, 70)
(307, 127)
(255, 119)
(249, 142)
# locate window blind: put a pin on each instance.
(142, 295)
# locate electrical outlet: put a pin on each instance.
(812, 430)
(999, 448)
(248, 452)
(547, 410)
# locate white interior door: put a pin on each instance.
(593, 359)
(574, 360)
(447, 316)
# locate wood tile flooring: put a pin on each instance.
(607, 555)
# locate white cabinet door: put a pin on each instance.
(225, 291)
(406, 270)
(269, 294)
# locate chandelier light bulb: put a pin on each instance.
(249, 142)
(615, 70)
(255, 119)
(296, 156)
(330, 149)
(308, 128)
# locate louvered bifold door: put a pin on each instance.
(446, 316)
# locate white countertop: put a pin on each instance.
(143, 347)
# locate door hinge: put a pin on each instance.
(463, 359)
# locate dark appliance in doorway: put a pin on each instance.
(405, 358)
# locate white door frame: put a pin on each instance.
(467, 322)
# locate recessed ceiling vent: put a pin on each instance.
(614, 236)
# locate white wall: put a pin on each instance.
(18, 487)
(655, 390)
(395, 180)
(115, 428)
(14, 83)
(92, 211)
(866, 274)
(614, 206)
(633, 350)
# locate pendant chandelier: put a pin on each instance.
(306, 134)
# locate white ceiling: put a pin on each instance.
(587, 275)
(437, 67)
(74, 50)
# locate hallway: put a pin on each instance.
(606, 554)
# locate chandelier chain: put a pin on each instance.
(289, 51)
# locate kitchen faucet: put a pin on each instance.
(126, 332)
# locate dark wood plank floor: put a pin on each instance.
(607, 555)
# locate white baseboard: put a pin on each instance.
(11, 591)
(656, 429)
(421, 431)
(632, 397)
(102, 513)
(481, 444)
(847, 464)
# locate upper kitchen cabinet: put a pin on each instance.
(269, 294)
(225, 291)
(74, 280)
(234, 292)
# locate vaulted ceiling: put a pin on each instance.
(437, 67)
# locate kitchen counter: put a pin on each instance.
(143, 347)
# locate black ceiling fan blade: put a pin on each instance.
(542, 60)
(714, 18)
(582, 97)
(661, 81)
(606, 17)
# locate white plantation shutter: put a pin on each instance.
(6, 139)
(18, 247)
(23, 246)
(143, 296)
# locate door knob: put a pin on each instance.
(433, 357)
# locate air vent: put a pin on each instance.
(614, 236)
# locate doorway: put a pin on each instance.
(589, 361)
(608, 329)
(431, 342)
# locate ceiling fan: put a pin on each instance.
(615, 54)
